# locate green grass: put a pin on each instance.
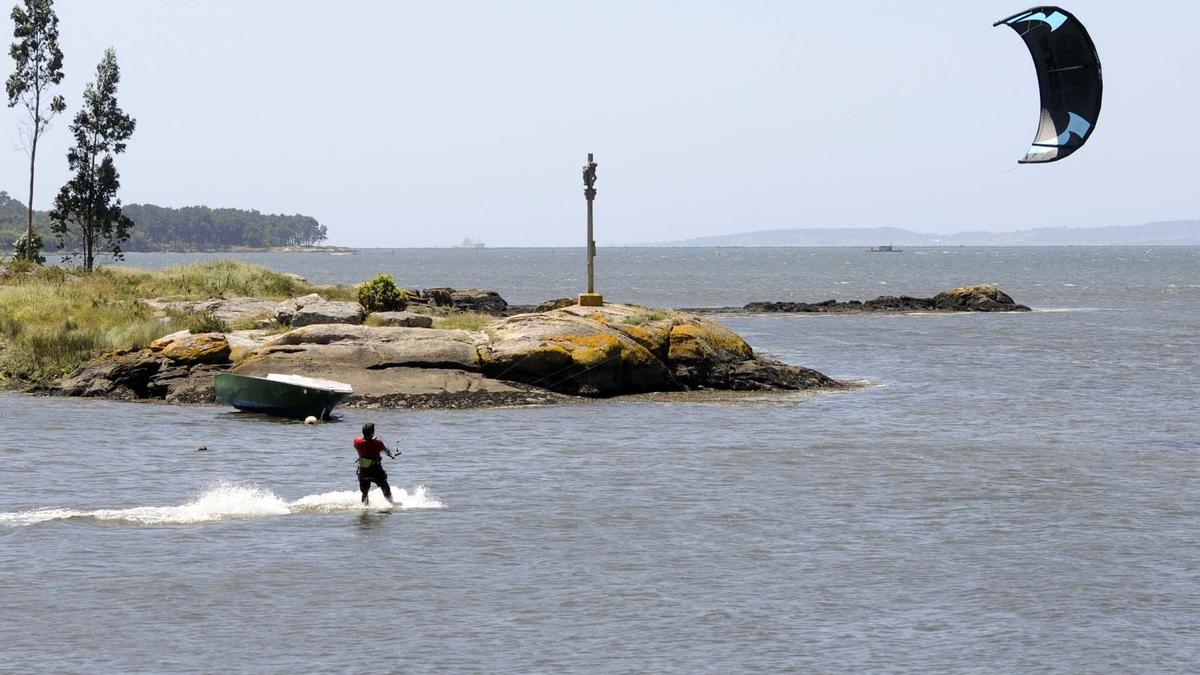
(474, 321)
(52, 319)
(207, 323)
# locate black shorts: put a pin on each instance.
(375, 475)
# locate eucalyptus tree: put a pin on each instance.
(87, 208)
(39, 68)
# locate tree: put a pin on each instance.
(39, 66)
(87, 207)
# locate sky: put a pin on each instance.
(420, 123)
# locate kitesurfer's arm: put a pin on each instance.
(389, 451)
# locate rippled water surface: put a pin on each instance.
(1012, 493)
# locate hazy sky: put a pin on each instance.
(418, 123)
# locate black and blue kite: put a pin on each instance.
(1069, 80)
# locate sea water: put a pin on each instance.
(1011, 492)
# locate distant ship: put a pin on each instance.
(888, 248)
(468, 242)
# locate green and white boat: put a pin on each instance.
(292, 396)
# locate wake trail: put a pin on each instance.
(229, 501)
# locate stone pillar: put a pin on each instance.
(591, 298)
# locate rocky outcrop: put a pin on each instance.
(312, 309)
(122, 374)
(243, 341)
(467, 300)
(597, 352)
(327, 311)
(570, 354)
(230, 310)
(366, 348)
(764, 374)
(704, 353)
(189, 349)
(622, 349)
(393, 366)
(401, 319)
(978, 298)
(286, 311)
(557, 303)
(145, 374)
(537, 357)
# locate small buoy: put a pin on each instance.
(202, 448)
(310, 420)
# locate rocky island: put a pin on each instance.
(400, 360)
(138, 335)
(977, 298)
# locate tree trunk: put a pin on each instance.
(89, 243)
(88, 256)
(29, 253)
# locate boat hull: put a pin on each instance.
(272, 397)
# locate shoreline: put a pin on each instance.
(123, 334)
(492, 402)
(465, 348)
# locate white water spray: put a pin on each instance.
(229, 501)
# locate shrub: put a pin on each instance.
(381, 295)
(207, 323)
(21, 249)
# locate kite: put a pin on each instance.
(1069, 80)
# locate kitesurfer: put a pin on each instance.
(370, 469)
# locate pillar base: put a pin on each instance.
(591, 300)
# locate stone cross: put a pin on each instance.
(591, 298)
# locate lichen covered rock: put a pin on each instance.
(191, 349)
(571, 354)
(576, 351)
(978, 298)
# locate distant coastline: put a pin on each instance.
(184, 230)
(1166, 233)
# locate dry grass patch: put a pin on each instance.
(52, 319)
(473, 321)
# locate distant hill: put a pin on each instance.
(191, 228)
(1175, 232)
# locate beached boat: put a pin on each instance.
(293, 396)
